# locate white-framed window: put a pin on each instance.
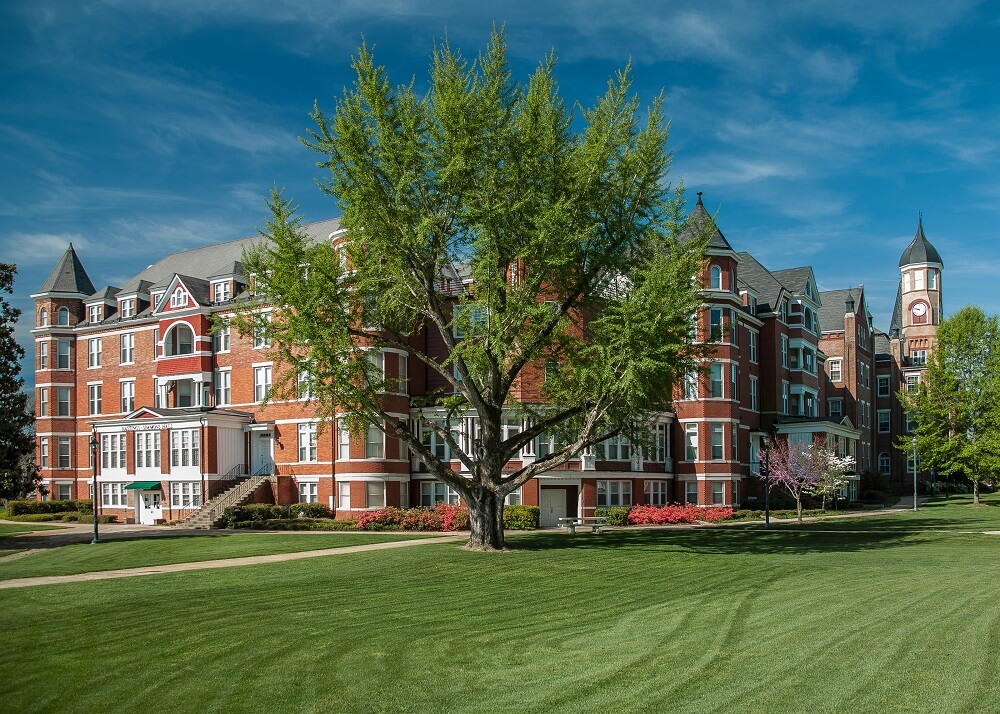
(185, 494)
(185, 447)
(884, 420)
(127, 308)
(715, 324)
(733, 444)
(114, 495)
(614, 493)
(617, 448)
(656, 493)
(223, 391)
(715, 278)
(178, 298)
(691, 441)
(377, 361)
(43, 451)
(513, 498)
(343, 441)
(884, 464)
(918, 357)
(127, 402)
(113, 451)
(305, 384)
(126, 354)
(62, 354)
(43, 317)
(307, 442)
(436, 444)
(918, 279)
(404, 374)
(62, 401)
(62, 316)
(261, 382)
(94, 314)
(94, 398)
(691, 492)
(834, 367)
(404, 494)
(308, 492)
(434, 492)
(932, 279)
(43, 355)
(865, 372)
(718, 493)
(784, 351)
(691, 384)
(754, 336)
(147, 449)
(179, 341)
(912, 382)
(64, 453)
(220, 338)
(835, 408)
(883, 385)
(784, 311)
(717, 431)
(220, 291)
(734, 391)
(659, 450)
(261, 338)
(784, 397)
(343, 495)
(374, 494)
(43, 401)
(716, 379)
(374, 443)
(94, 350)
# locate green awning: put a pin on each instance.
(143, 486)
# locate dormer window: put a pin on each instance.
(220, 291)
(127, 308)
(809, 290)
(178, 298)
(715, 278)
(63, 316)
(94, 314)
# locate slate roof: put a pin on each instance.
(795, 279)
(920, 249)
(833, 307)
(881, 344)
(896, 324)
(69, 276)
(758, 278)
(106, 293)
(697, 222)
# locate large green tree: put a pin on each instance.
(957, 406)
(18, 474)
(486, 208)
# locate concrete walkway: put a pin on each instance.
(224, 563)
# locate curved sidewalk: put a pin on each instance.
(213, 564)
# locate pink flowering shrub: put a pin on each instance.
(676, 513)
(443, 517)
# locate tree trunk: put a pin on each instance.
(975, 491)
(486, 522)
(798, 505)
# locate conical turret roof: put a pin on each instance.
(920, 249)
(69, 276)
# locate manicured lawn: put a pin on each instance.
(139, 552)
(739, 619)
(7, 529)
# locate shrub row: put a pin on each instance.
(443, 517)
(260, 512)
(676, 513)
(25, 506)
(66, 517)
(299, 524)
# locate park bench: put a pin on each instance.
(573, 522)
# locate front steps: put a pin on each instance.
(209, 515)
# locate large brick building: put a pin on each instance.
(150, 378)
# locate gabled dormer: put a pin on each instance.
(101, 305)
(182, 292)
(133, 299)
(226, 283)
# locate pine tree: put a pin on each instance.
(18, 475)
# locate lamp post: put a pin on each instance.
(94, 443)
(914, 474)
(765, 472)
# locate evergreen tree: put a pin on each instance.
(18, 475)
(538, 265)
(957, 406)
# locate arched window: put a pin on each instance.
(716, 278)
(883, 463)
(43, 317)
(179, 341)
(63, 315)
(809, 319)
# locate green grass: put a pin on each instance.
(141, 552)
(818, 618)
(7, 529)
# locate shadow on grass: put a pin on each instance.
(58, 540)
(751, 540)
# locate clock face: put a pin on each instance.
(919, 309)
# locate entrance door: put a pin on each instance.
(150, 505)
(553, 505)
(262, 453)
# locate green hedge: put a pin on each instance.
(35, 517)
(25, 506)
(298, 524)
(521, 518)
(614, 515)
(260, 512)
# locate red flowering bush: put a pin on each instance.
(443, 517)
(676, 513)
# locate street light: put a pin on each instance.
(914, 474)
(765, 472)
(94, 443)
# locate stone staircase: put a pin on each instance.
(209, 515)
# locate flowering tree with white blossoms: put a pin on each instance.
(804, 469)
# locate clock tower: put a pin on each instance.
(918, 304)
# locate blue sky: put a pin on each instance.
(817, 130)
